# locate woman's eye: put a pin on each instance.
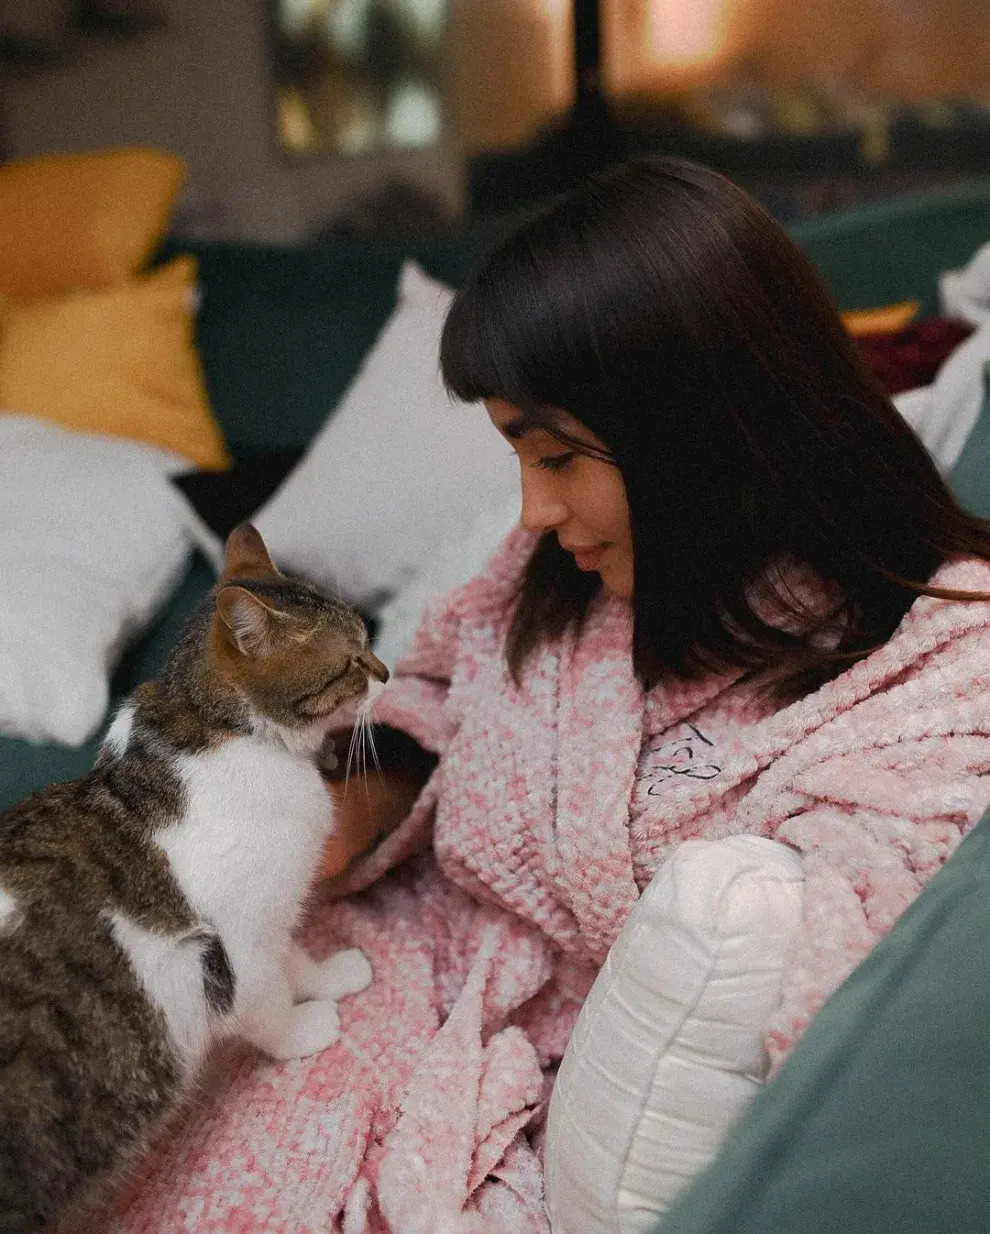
(554, 462)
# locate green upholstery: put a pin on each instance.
(879, 1121)
(283, 331)
(895, 250)
(25, 767)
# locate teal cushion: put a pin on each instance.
(25, 767)
(895, 250)
(282, 331)
(970, 478)
(879, 1121)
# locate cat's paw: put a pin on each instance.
(312, 1027)
(347, 972)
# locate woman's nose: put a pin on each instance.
(541, 508)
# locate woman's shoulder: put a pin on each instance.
(941, 637)
(963, 573)
(969, 578)
(486, 553)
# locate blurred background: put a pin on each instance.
(300, 118)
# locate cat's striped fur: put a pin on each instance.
(147, 908)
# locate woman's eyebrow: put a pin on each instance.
(518, 427)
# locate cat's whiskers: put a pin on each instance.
(362, 741)
(350, 758)
(368, 744)
(373, 748)
(363, 721)
(365, 712)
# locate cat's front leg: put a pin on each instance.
(347, 972)
(283, 1028)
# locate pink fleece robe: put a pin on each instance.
(487, 914)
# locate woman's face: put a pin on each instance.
(580, 498)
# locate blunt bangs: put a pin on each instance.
(519, 329)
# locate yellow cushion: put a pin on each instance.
(886, 320)
(120, 361)
(83, 220)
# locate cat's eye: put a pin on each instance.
(331, 681)
(554, 462)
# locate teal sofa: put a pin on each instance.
(879, 1122)
(282, 332)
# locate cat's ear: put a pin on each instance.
(255, 627)
(246, 555)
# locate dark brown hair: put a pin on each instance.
(665, 310)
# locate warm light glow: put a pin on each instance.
(682, 32)
(658, 48)
(510, 69)
(294, 124)
(492, 74)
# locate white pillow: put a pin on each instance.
(398, 469)
(93, 539)
(965, 293)
(459, 562)
(668, 1049)
(945, 413)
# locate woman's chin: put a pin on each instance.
(617, 582)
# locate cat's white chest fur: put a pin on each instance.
(256, 818)
(243, 854)
(250, 840)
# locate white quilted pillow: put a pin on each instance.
(93, 539)
(668, 1050)
(396, 472)
(453, 566)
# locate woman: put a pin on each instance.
(688, 412)
(741, 600)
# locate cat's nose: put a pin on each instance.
(374, 666)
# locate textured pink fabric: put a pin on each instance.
(488, 913)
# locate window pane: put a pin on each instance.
(356, 76)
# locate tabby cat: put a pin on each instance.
(147, 909)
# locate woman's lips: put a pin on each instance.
(588, 558)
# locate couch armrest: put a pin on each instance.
(669, 1048)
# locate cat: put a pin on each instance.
(147, 909)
